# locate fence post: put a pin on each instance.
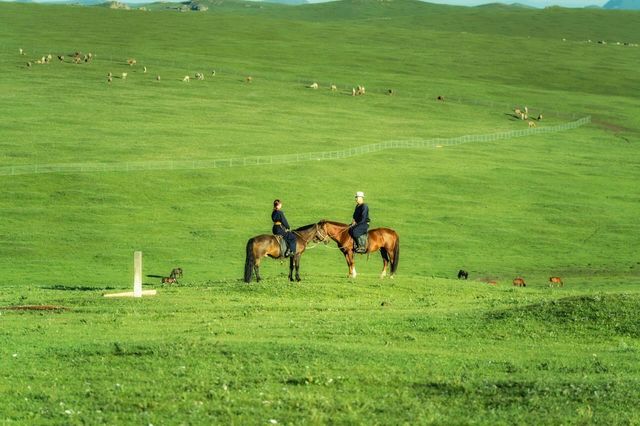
(137, 274)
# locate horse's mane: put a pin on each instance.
(332, 222)
(304, 228)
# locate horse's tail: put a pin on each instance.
(396, 256)
(248, 265)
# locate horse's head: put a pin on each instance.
(321, 235)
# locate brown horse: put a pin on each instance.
(267, 245)
(384, 239)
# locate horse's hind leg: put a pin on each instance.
(256, 268)
(385, 262)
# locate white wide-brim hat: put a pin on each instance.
(359, 194)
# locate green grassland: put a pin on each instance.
(422, 348)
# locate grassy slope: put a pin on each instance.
(563, 203)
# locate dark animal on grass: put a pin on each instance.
(556, 280)
(169, 280)
(176, 273)
(462, 274)
(385, 240)
(267, 245)
(440, 98)
(519, 282)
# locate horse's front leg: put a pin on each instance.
(297, 264)
(348, 255)
(291, 266)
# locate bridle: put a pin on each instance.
(313, 236)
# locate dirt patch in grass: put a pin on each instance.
(614, 128)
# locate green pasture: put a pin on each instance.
(422, 348)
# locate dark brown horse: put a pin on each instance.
(267, 245)
(384, 239)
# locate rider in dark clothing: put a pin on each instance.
(360, 224)
(281, 227)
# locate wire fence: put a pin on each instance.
(285, 158)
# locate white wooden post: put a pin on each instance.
(137, 274)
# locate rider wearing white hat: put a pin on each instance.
(360, 224)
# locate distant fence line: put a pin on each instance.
(285, 158)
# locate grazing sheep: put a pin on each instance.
(539, 116)
(391, 92)
(49, 57)
(131, 62)
(124, 75)
(526, 110)
(28, 64)
(199, 76)
(61, 58)
(555, 280)
(144, 70)
(532, 124)
(313, 85)
(360, 91)
(440, 98)
(213, 73)
(249, 79)
(157, 77)
(334, 88)
(109, 75)
(109, 79)
(21, 51)
(462, 274)
(353, 91)
(186, 79)
(517, 112)
(519, 282)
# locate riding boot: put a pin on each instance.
(287, 253)
(361, 244)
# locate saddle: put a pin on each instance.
(283, 245)
(360, 246)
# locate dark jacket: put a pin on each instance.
(361, 214)
(280, 224)
(361, 217)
